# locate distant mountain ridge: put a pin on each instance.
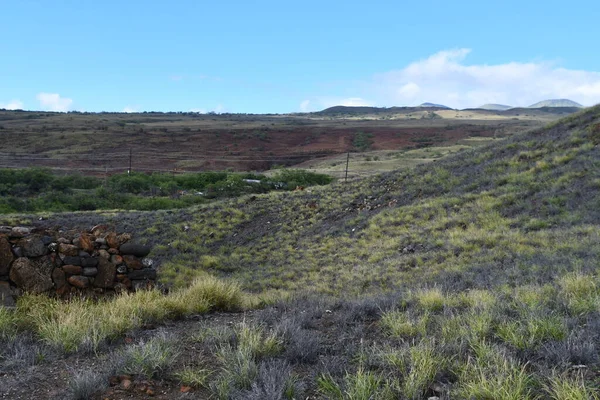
(433, 105)
(495, 107)
(556, 103)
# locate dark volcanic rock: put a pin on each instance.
(17, 251)
(68, 249)
(89, 262)
(6, 296)
(79, 281)
(133, 262)
(138, 250)
(59, 278)
(32, 275)
(32, 246)
(106, 274)
(6, 256)
(72, 260)
(142, 274)
(72, 269)
(90, 271)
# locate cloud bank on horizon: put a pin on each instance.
(446, 78)
(54, 102)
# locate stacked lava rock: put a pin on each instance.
(64, 263)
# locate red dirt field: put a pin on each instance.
(100, 143)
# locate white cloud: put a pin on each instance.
(304, 105)
(12, 105)
(131, 109)
(447, 78)
(354, 102)
(53, 102)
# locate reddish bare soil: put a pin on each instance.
(100, 143)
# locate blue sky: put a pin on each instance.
(280, 56)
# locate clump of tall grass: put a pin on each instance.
(492, 374)
(580, 292)
(82, 323)
(8, 323)
(566, 388)
(362, 385)
(239, 357)
(149, 358)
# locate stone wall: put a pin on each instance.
(64, 263)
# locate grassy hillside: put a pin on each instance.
(471, 277)
(528, 201)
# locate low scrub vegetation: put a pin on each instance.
(39, 190)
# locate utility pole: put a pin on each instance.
(129, 170)
(347, 162)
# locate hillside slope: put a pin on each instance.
(489, 257)
(472, 215)
(478, 213)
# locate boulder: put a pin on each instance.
(106, 274)
(133, 249)
(86, 243)
(148, 263)
(32, 246)
(59, 277)
(142, 274)
(104, 254)
(68, 249)
(99, 229)
(72, 269)
(111, 240)
(79, 281)
(6, 256)
(32, 275)
(20, 231)
(133, 262)
(46, 240)
(17, 251)
(72, 260)
(113, 251)
(116, 259)
(90, 271)
(123, 238)
(6, 295)
(89, 262)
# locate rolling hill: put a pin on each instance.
(556, 103)
(495, 107)
(475, 276)
(433, 105)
